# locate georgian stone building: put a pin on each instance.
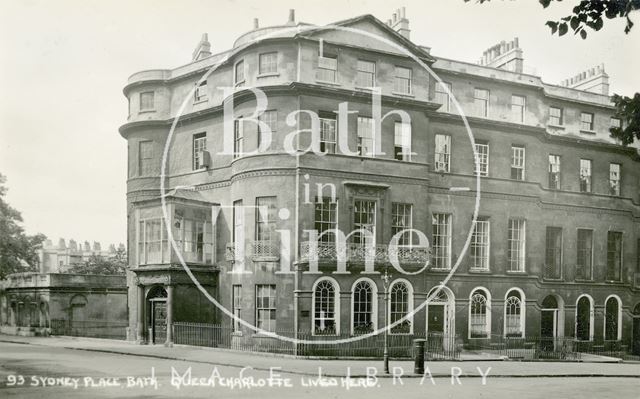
(554, 250)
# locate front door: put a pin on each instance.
(548, 329)
(435, 328)
(159, 321)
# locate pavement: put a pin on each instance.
(474, 364)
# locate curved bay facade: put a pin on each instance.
(553, 253)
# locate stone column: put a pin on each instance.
(169, 341)
(140, 316)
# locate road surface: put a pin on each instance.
(29, 371)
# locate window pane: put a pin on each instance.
(365, 137)
(268, 63)
(482, 151)
(517, 163)
(442, 152)
(480, 245)
(441, 229)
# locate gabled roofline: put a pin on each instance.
(417, 50)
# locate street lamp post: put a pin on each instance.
(385, 282)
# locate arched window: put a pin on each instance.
(514, 314)
(479, 314)
(584, 312)
(400, 304)
(157, 292)
(325, 304)
(363, 302)
(612, 319)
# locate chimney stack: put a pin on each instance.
(400, 23)
(504, 55)
(593, 80)
(203, 49)
(256, 24)
(292, 17)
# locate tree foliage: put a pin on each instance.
(589, 14)
(96, 264)
(18, 251)
(628, 111)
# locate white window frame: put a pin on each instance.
(200, 94)
(585, 175)
(481, 102)
(398, 210)
(517, 243)
(522, 309)
(409, 306)
(482, 151)
(365, 78)
(442, 252)
(325, 207)
(481, 228)
(442, 160)
(359, 238)
(374, 303)
(241, 64)
(328, 134)
(402, 141)
(273, 64)
(327, 65)
(585, 125)
(560, 116)
(487, 318)
(336, 305)
(199, 145)
(615, 178)
(442, 96)
(272, 299)
(555, 169)
(402, 84)
(366, 137)
(518, 110)
(518, 162)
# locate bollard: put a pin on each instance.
(418, 346)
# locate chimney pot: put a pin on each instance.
(292, 16)
(256, 25)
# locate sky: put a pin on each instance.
(63, 65)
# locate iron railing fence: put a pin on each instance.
(437, 346)
(90, 328)
(526, 348)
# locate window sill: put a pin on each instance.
(584, 280)
(558, 279)
(368, 89)
(589, 132)
(236, 334)
(517, 272)
(326, 82)
(240, 83)
(146, 111)
(203, 101)
(440, 270)
(479, 271)
(555, 126)
(613, 281)
(409, 95)
(267, 75)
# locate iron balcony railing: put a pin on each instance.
(258, 250)
(359, 253)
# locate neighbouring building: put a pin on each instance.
(59, 258)
(554, 252)
(63, 304)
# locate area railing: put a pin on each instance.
(437, 346)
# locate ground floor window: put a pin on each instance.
(266, 307)
(399, 307)
(584, 311)
(363, 297)
(325, 301)
(479, 314)
(612, 319)
(514, 315)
